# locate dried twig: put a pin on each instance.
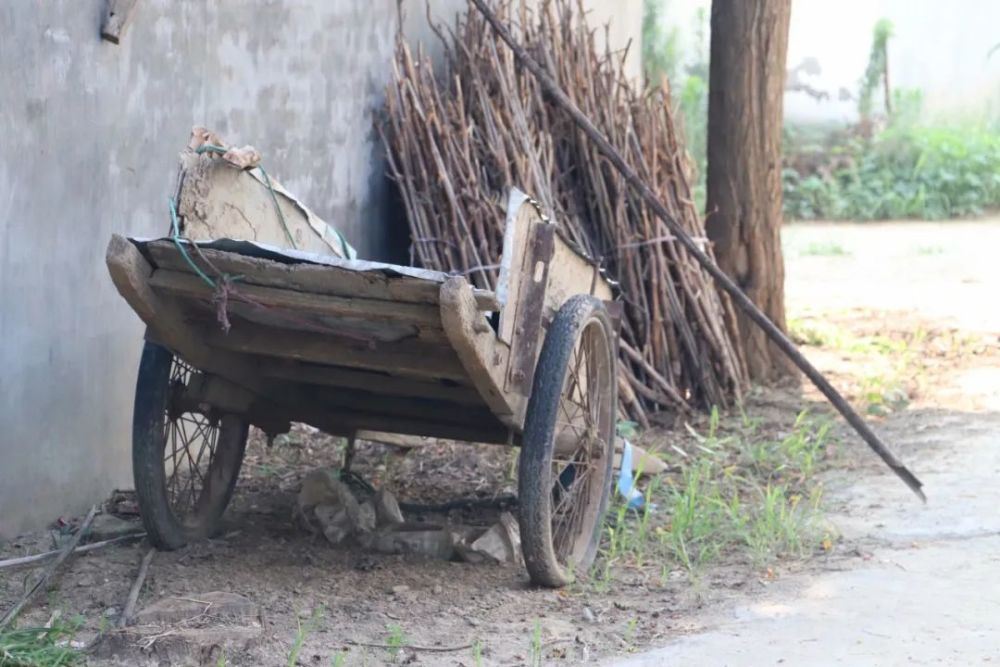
(457, 140)
(650, 198)
(133, 594)
(411, 647)
(37, 559)
(39, 586)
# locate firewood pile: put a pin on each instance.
(460, 137)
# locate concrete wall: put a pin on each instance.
(89, 133)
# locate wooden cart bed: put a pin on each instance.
(348, 345)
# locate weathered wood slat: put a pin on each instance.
(404, 407)
(481, 353)
(168, 326)
(404, 358)
(348, 421)
(314, 278)
(189, 285)
(530, 309)
(116, 20)
(349, 378)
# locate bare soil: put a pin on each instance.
(346, 601)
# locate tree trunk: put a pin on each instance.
(746, 86)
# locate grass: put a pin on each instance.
(301, 633)
(535, 649)
(38, 647)
(745, 495)
(395, 640)
(893, 363)
(824, 249)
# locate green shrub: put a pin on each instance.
(905, 172)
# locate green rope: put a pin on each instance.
(180, 246)
(270, 188)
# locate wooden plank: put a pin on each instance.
(517, 233)
(349, 378)
(572, 274)
(406, 358)
(403, 441)
(530, 309)
(116, 20)
(404, 407)
(349, 421)
(217, 199)
(314, 278)
(168, 325)
(189, 285)
(481, 353)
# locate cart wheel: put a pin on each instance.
(564, 473)
(185, 463)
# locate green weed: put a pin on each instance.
(38, 647)
(925, 172)
(742, 494)
(824, 249)
(477, 653)
(339, 660)
(396, 640)
(302, 631)
(535, 650)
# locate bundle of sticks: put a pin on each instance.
(459, 138)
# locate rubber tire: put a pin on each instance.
(535, 464)
(163, 529)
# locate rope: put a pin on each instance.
(177, 238)
(223, 284)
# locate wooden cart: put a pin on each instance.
(349, 346)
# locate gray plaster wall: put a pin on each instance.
(89, 134)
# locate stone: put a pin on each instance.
(216, 605)
(419, 539)
(326, 505)
(178, 646)
(322, 487)
(335, 523)
(108, 527)
(399, 590)
(387, 509)
(366, 519)
(501, 543)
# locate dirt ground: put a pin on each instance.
(898, 575)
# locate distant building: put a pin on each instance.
(941, 48)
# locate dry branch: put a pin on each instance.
(133, 594)
(37, 559)
(458, 139)
(39, 586)
(640, 186)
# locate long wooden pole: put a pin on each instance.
(742, 300)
